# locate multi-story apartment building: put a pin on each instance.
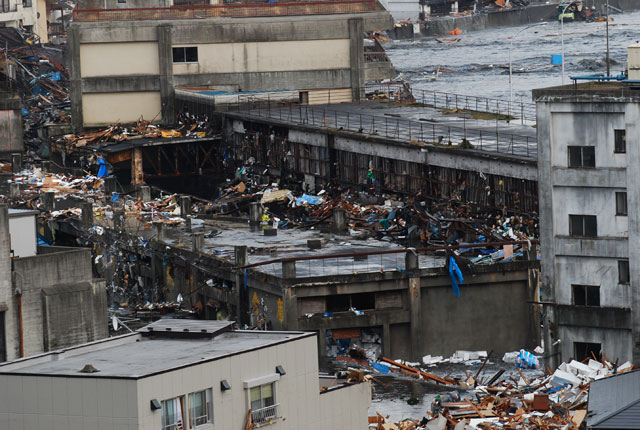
(588, 156)
(126, 59)
(28, 14)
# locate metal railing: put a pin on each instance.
(417, 132)
(235, 10)
(519, 111)
(264, 415)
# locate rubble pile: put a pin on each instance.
(555, 400)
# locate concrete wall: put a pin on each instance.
(579, 120)
(108, 108)
(322, 51)
(23, 235)
(27, 16)
(6, 291)
(10, 123)
(61, 403)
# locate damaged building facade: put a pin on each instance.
(588, 137)
(48, 297)
(126, 62)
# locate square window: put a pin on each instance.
(263, 405)
(200, 408)
(620, 141)
(585, 350)
(191, 54)
(586, 295)
(623, 271)
(178, 55)
(583, 226)
(582, 156)
(621, 203)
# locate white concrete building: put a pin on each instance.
(180, 374)
(588, 153)
(28, 14)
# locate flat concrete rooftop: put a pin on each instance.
(608, 91)
(136, 356)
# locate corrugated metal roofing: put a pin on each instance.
(627, 418)
(609, 396)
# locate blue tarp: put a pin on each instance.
(456, 276)
(103, 171)
(311, 200)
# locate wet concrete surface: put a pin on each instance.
(474, 62)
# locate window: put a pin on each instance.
(620, 142)
(3, 354)
(583, 226)
(200, 408)
(586, 295)
(172, 417)
(27, 3)
(582, 156)
(584, 350)
(263, 406)
(623, 271)
(621, 203)
(185, 54)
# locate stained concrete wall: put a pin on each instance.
(10, 124)
(588, 118)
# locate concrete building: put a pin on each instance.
(10, 121)
(181, 374)
(28, 14)
(48, 297)
(588, 140)
(126, 62)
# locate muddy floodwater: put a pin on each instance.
(478, 64)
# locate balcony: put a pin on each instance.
(235, 10)
(264, 416)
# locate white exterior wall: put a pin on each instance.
(28, 16)
(23, 235)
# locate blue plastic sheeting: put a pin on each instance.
(311, 200)
(380, 368)
(456, 276)
(115, 197)
(556, 59)
(42, 241)
(103, 171)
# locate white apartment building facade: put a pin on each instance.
(28, 14)
(588, 161)
(180, 374)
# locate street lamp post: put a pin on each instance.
(510, 63)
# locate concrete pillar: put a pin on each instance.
(242, 255)
(411, 261)
(322, 342)
(290, 309)
(14, 190)
(255, 213)
(16, 162)
(87, 214)
(48, 200)
(118, 219)
(137, 173)
(109, 185)
(198, 242)
(356, 57)
(339, 221)
(288, 269)
(75, 78)
(386, 340)
(46, 166)
(185, 206)
(159, 231)
(6, 291)
(144, 192)
(415, 307)
(165, 56)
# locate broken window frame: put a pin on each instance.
(187, 56)
(204, 414)
(620, 141)
(585, 295)
(583, 225)
(621, 203)
(581, 157)
(623, 272)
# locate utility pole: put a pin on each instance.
(608, 59)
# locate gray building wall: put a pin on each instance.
(579, 119)
(10, 123)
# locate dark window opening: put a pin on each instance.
(3, 353)
(27, 3)
(585, 350)
(582, 156)
(620, 145)
(583, 226)
(344, 302)
(623, 271)
(586, 295)
(621, 203)
(185, 54)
